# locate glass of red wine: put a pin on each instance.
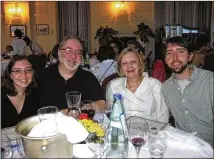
(138, 134)
(88, 107)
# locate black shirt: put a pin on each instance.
(9, 114)
(53, 86)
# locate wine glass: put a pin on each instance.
(88, 107)
(138, 134)
(73, 100)
(96, 143)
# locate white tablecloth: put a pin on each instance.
(4, 64)
(180, 145)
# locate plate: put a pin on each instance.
(153, 124)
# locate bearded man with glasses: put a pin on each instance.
(67, 76)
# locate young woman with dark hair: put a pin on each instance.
(19, 96)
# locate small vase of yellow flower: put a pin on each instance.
(93, 127)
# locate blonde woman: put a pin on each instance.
(142, 94)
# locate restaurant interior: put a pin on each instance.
(150, 23)
(47, 22)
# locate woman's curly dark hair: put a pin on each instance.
(7, 82)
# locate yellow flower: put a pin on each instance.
(92, 127)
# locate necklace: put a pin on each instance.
(134, 88)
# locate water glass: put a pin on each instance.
(20, 147)
(6, 149)
(73, 100)
(157, 144)
(12, 146)
(47, 116)
(17, 147)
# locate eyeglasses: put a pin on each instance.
(126, 64)
(20, 71)
(70, 50)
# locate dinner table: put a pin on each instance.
(180, 144)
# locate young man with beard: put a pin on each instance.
(188, 93)
(67, 76)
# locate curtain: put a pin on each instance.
(204, 13)
(83, 20)
(191, 14)
(164, 13)
(74, 19)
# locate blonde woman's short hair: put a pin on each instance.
(140, 56)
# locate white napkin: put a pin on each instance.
(74, 131)
(177, 135)
(178, 140)
(44, 129)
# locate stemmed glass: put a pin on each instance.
(138, 134)
(96, 144)
(73, 100)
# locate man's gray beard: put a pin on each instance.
(73, 68)
(67, 65)
(181, 69)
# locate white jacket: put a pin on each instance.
(147, 101)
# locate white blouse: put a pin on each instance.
(147, 101)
